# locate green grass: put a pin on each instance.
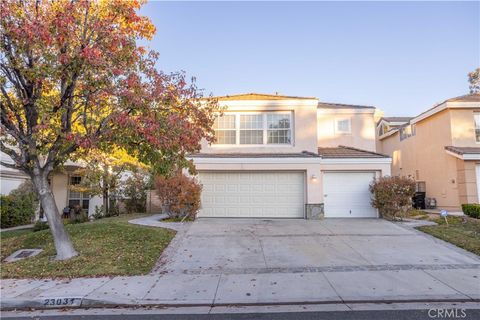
(176, 220)
(462, 232)
(110, 246)
(417, 214)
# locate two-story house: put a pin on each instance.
(440, 149)
(289, 157)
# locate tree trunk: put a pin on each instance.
(106, 205)
(37, 212)
(61, 239)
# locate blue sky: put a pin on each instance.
(401, 57)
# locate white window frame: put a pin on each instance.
(264, 129)
(339, 132)
(82, 195)
(403, 135)
(476, 119)
(234, 129)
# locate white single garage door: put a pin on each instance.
(253, 194)
(346, 195)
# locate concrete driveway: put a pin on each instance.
(236, 246)
(263, 261)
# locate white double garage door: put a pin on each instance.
(280, 194)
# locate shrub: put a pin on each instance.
(392, 196)
(179, 195)
(40, 225)
(472, 210)
(18, 208)
(78, 215)
(134, 192)
(99, 213)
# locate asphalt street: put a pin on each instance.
(331, 315)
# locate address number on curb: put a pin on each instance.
(55, 302)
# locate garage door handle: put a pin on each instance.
(325, 195)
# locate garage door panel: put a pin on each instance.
(346, 195)
(252, 194)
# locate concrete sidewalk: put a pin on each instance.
(443, 283)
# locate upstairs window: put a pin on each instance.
(278, 128)
(383, 129)
(476, 116)
(251, 129)
(225, 129)
(407, 131)
(254, 128)
(343, 126)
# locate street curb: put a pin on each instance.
(78, 303)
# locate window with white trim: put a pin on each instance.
(251, 129)
(76, 197)
(225, 129)
(245, 128)
(476, 117)
(278, 126)
(407, 131)
(343, 126)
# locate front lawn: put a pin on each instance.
(109, 246)
(462, 232)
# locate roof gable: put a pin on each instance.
(260, 96)
(330, 105)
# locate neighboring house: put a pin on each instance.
(440, 149)
(10, 179)
(388, 124)
(289, 157)
(60, 181)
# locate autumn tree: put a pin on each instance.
(474, 80)
(102, 173)
(73, 78)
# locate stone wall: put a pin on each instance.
(314, 211)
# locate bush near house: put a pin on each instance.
(392, 196)
(179, 195)
(472, 210)
(134, 192)
(18, 208)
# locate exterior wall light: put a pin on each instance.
(313, 177)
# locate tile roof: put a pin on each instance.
(260, 96)
(396, 119)
(329, 105)
(472, 97)
(347, 152)
(463, 150)
(304, 154)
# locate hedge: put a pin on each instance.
(16, 211)
(472, 210)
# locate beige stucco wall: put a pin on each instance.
(59, 183)
(424, 158)
(362, 134)
(304, 126)
(463, 127)
(467, 181)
